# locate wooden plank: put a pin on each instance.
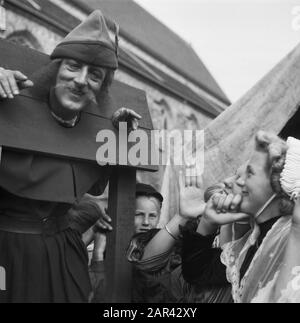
(26, 124)
(121, 206)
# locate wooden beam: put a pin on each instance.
(121, 208)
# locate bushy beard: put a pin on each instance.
(90, 97)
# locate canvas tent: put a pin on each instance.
(270, 105)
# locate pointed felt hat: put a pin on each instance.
(90, 43)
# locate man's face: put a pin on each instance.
(78, 84)
(147, 214)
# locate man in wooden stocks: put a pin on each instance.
(45, 260)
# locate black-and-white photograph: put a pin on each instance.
(149, 154)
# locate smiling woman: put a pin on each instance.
(2, 279)
(253, 262)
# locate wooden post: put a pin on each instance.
(121, 208)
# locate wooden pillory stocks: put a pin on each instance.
(26, 124)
